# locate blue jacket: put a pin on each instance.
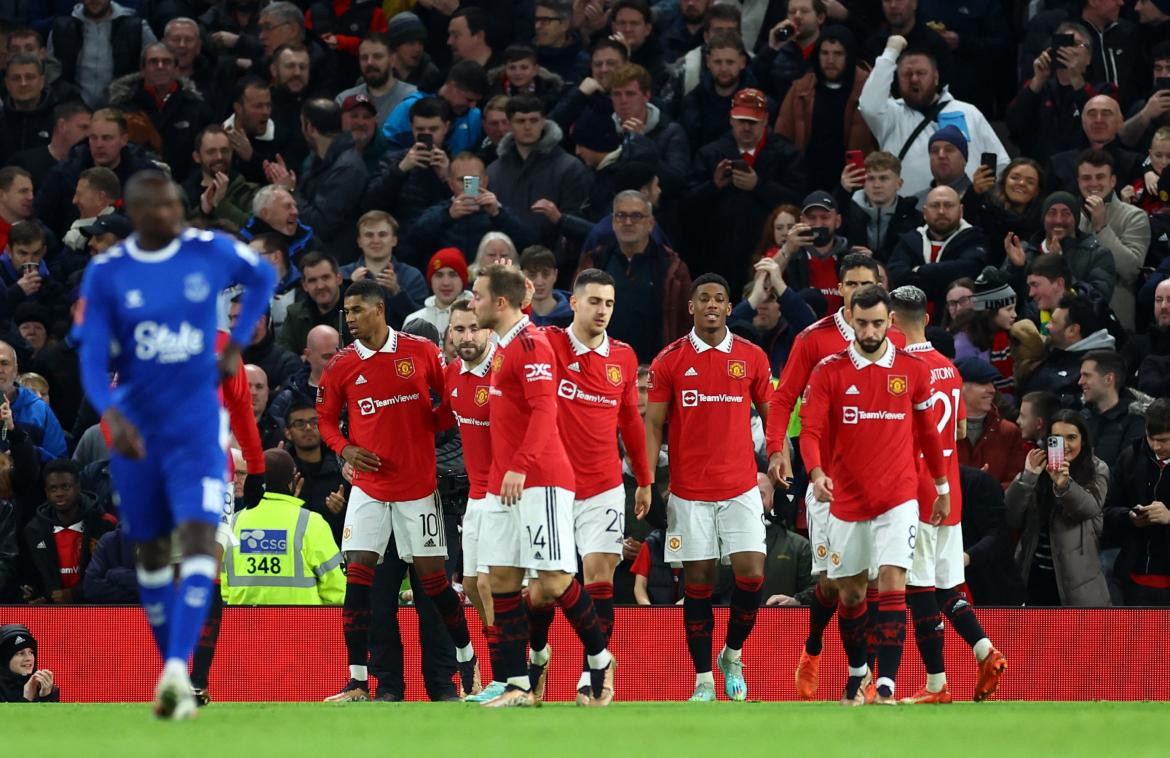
(561, 315)
(36, 417)
(435, 229)
(110, 577)
(465, 134)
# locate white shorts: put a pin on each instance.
(857, 547)
(416, 525)
(599, 522)
(698, 530)
(818, 525)
(938, 557)
(471, 532)
(536, 533)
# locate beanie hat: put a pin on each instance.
(1063, 198)
(31, 311)
(950, 133)
(13, 639)
(992, 291)
(405, 27)
(595, 131)
(448, 257)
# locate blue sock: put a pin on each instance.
(189, 610)
(157, 592)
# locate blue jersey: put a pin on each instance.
(150, 316)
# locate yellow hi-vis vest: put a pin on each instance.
(283, 555)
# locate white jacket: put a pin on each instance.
(434, 315)
(892, 121)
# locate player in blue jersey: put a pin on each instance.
(148, 314)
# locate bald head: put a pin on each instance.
(258, 387)
(943, 212)
(1162, 304)
(320, 347)
(1101, 120)
(279, 470)
(146, 187)
(9, 368)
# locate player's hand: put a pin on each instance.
(125, 436)
(347, 472)
(823, 489)
(780, 470)
(361, 459)
(1036, 461)
(781, 600)
(512, 487)
(941, 509)
(253, 490)
(642, 501)
(229, 360)
(335, 501)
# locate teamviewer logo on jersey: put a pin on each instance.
(265, 541)
(567, 389)
(367, 406)
(690, 398)
(849, 414)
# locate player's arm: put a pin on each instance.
(633, 431)
(444, 415)
(761, 388)
(656, 413)
(437, 381)
(237, 399)
(793, 379)
(331, 399)
(814, 427)
(538, 382)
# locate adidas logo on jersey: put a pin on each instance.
(455, 392)
(574, 366)
(852, 390)
(429, 543)
(691, 372)
(360, 380)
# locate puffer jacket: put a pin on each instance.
(963, 254)
(182, 115)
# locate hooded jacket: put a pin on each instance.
(1138, 479)
(111, 577)
(94, 52)
(879, 229)
(36, 418)
(561, 314)
(1118, 428)
(433, 314)
(54, 200)
(13, 639)
(704, 113)
(1060, 371)
(329, 196)
(182, 115)
(963, 254)
(20, 130)
(52, 295)
(40, 547)
(670, 142)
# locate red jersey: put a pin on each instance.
(597, 395)
(826, 337)
(465, 402)
(871, 417)
(524, 431)
(235, 396)
(946, 411)
(387, 395)
(710, 391)
(68, 541)
(824, 278)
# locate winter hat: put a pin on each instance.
(448, 257)
(1063, 198)
(595, 131)
(992, 291)
(425, 329)
(13, 639)
(405, 27)
(950, 133)
(977, 371)
(31, 311)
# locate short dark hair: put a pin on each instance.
(273, 242)
(1108, 362)
(316, 258)
(298, 405)
(62, 466)
(323, 114)
(641, 6)
(379, 38)
(524, 104)
(506, 282)
(26, 232)
(462, 305)
(612, 43)
(1051, 267)
(249, 82)
(431, 107)
(1158, 417)
(1045, 403)
(366, 289)
(27, 31)
(858, 260)
(1160, 51)
(1096, 159)
(209, 129)
(562, 9)
(476, 19)
(725, 12)
(724, 38)
(1081, 312)
(66, 111)
(27, 59)
(8, 175)
(469, 76)
(869, 296)
(537, 258)
(513, 53)
(710, 279)
(102, 179)
(592, 276)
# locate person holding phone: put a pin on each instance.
(1147, 117)
(1057, 503)
(411, 179)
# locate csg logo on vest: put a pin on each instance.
(264, 541)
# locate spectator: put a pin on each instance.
(16, 200)
(97, 43)
(550, 306)
(824, 101)
(1073, 331)
(111, 576)
(522, 75)
(589, 99)
(633, 174)
(233, 30)
(633, 20)
(493, 248)
(558, 47)
(873, 211)
(32, 322)
(217, 190)
(705, 108)
(1154, 113)
(993, 443)
(1011, 206)
(791, 47)
(61, 536)
(20, 679)
(535, 176)
(278, 363)
(282, 24)
(987, 546)
(412, 64)
(106, 232)
(341, 26)
(31, 413)
(901, 18)
(70, 125)
(771, 313)
(1114, 414)
(403, 285)
(10, 563)
(645, 125)
(1154, 24)
(1086, 259)
(945, 248)
(252, 130)
(1144, 191)
(495, 126)
(409, 180)
(960, 300)
(656, 582)
(466, 85)
(1058, 509)
(1036, 412)
(741, 177)
(1116, 48)
(788, 578)
(1150, 352)
(359, 120)
(321, 345)
(291, 91)
(447, 270)
(948, 168)
(213, 76)
(378, 83)
(1122, 229)
(1136, 513)
(98, 190)
(321, 281)
(1100, 122)
(683, 32)
(775, 231)
(807, 264)
(275, 211)
(158, 102)
(1048, 280)
(323, 489)
(270, 432)
(27, 118)
(467, 36)
(720, 18)
(29, 41)
(984, 331)
(652, 282)
(308, 564)
(899, 124)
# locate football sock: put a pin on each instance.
(851, 624)
(157, 591)
(928, 630)
(820, 612)
(512, 624)
(958, 609)
(602, 596)
(871, 621)
(492, 634)
(189, 610)
(355, 617)
(745, 602)
(890, 638)
(578, 609)
(700, 622)
(205, 648)
(438, 588)
(540, 618)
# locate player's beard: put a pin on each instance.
(871, 346)
(470, 352)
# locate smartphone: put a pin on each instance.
(1059, 41)
(785, 33)
(471, 186)
(855, 158)
(740, 165)
(990, 160)
(1162, 83)
(427, 140)
(30, 268)
(821, 235)
(1055, 452)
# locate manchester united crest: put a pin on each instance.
(822, 551)
(497, 362)
(481, 395)
(404, 367)
(897, 385)
(736, 369)
(674, 543)
(613, 373)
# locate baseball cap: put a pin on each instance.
(977, 371)
(750, 104)
(111, 223)
(818, 199)
(356, 101)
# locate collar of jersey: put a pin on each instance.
(507, 338)
(482, 369)
(919, 347)
(580, 348)
(150, 256)
(843, 327)
(365, 353)
(860, 361)
(701, 347)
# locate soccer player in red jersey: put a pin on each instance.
(937, 573)
(868, 406)
(528, 523)
(830, 335)
(597, 397)
(704, 385)
(384, 381)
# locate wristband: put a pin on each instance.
(942, 489)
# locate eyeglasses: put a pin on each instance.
(632, 218)
(272, 27)
(961, 302)
(547, 19)
(303, 423)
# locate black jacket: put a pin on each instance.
(20, 130)
(1118, 428)
(1048, 122)
(704, 112)
(9, 553)
(404, 194)
(321, 479)
(41, 551)
(1138, 479)
(963, 255)
(1061, 171)
(111, 577)
(877, 229)
(54, 201)
(991, 576)
(278, 363)
(181, 117)
(125, 44)
(1060, 370)
(329, 197)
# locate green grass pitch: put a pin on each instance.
(961, 730)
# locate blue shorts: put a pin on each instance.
(175, 483)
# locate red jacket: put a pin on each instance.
(1001, 449)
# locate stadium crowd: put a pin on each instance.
(1006, 157)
